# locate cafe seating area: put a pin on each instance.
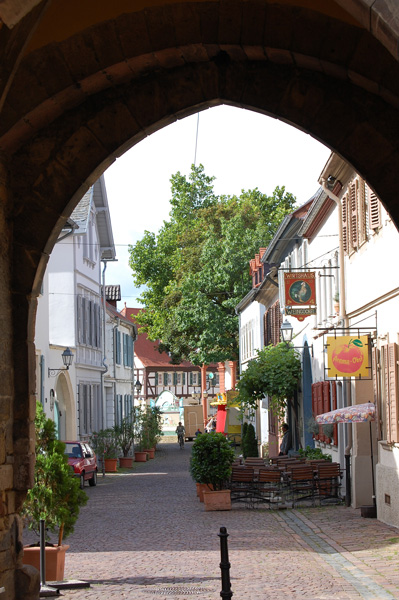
(285, 481)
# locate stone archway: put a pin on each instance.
(71, 104)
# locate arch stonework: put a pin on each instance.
(73, 100)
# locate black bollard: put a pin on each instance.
(42, 552)
(45, 590)
(224, 564)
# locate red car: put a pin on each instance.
(83, 461)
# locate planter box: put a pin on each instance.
(111, 465)
(150, 452)
(202, 487)
(217, 500)
(368, 512)
(55, 560)
(140, 456)
(126, 462)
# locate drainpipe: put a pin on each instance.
(344, 318)
(103, 371)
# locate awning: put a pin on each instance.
(359, 413)
(221, 419)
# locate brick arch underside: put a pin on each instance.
(94, 96)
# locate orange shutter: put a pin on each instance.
(376, 385)
(374, 211)
(393, 390)
(353, 198)
(344, 213)
(326, 405)
(387, 426)
(317, 403)
(363, 215)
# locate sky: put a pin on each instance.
(240, 148)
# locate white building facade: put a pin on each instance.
(70, 315)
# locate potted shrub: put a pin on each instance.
(140, 455)
(105, 446)
(124, 437)
(336, 303)
(211, 460)
(55, 497)
(151, 429)
(328, 430)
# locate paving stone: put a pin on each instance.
(144, 534)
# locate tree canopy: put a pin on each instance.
(195, 269)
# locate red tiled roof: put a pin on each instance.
(146, 350)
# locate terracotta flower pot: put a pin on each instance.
(203, 487)
(126, 462)
(217, 500)
(140, 456)
(111, 465)
(55, 560)
(150, 452)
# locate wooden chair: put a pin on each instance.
(254, 461)
(301, 484)
(269, 487)
(329, 481)
(242, 484)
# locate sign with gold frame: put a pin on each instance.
(300, 288)
(348, 356)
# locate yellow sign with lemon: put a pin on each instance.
(348, 356)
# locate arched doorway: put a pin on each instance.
(102, 80)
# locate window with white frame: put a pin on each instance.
(195, 378)
(127, 350)
(89, 408)
(88, 321)
(248, 340)
(128, 405)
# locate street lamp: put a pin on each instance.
(137, 386)
(67, 358)
(286, 332)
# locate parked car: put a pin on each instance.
(83, 460)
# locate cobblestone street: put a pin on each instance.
(145, 534)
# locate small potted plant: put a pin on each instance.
(328, 430)
(336, 303)
(211, 462)
(105, 446)
(151, 429)
(124, 437)
(140, 455)
(55, 497)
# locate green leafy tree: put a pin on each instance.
(55, 496)
(196, 268)
(275, 373)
